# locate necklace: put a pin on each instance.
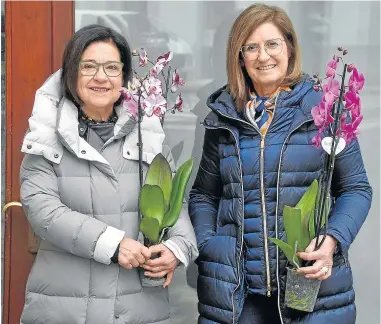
(88, 120)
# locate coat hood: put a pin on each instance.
(54, 125)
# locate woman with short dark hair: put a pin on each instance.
(80, 188)
(257, 158)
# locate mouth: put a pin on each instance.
(267, 67)
(99, 90)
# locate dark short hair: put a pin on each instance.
(78, 44)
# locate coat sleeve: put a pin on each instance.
(53, 221)
(206, 192)
(180, 238)
(352, 194)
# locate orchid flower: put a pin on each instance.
(321, 115)
(129, 103)
(338, 124)
(161, 62)
(330, 70)
(155, 105)
(350, 130)
(157, 68)
(176, 81)
(134, 86)
(331, 91)
(143, 59)
(324, 115)
(356, 81)
(153, 86)
(167, 57)
(132, 108)
(316, 140)
(352, 99)
(353, 104)
(148, 93)
(179, 102)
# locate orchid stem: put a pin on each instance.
(166, 89)
(328, 169)
(140, 143)
(146, 241)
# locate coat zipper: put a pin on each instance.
(268, 278)
(243, 217)
(261, 170)
(276, 212)
(264, 213)
(263, 201)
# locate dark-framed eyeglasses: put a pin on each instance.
(91, 68)
(273, 47)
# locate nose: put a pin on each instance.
(100, 75)
(262, 54)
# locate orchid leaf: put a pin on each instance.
(151, 202)
(287, 250)
(306, 223)
(311, 227)
(292, 219)
(296, 261)
(180, 181)
(307, 203)
(159, 173)
(150, 227)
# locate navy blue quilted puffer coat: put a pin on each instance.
(236, 204)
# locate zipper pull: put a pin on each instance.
(262, 143)
(268, 292)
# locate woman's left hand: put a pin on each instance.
(164, 265)
(322, 268)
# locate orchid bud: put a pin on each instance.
(135, 52)
(131, 86)
(316, 88)
(340, 49)
(315, 76)
(173, 110)
(350, 67)
(345, 52)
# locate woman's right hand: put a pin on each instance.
(132, 254)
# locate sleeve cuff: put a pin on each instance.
(176, 251)
(107, 244)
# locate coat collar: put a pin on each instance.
(54, 125)
(302, 96)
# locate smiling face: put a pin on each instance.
(266, 71)
(99, 92)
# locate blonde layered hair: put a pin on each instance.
(249, 20)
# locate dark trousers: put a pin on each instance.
(260, 309)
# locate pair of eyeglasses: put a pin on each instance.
(273, 47)
(91, 68)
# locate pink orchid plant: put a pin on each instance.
(149, 94)
(337, 125)
(331, 111)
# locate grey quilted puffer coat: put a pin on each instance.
(82, 202)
